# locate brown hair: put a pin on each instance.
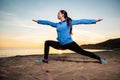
(68, 19)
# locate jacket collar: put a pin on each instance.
(63, 21)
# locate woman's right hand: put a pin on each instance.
(34, 20)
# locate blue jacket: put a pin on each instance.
(63, 30)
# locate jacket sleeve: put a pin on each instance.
(45, 22)
(83, 21)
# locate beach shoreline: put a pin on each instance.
(11, 52)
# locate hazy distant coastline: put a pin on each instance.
(111, 44)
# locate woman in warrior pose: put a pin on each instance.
(64, 31)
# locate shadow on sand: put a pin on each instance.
(65, 59)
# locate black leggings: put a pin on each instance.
(72, 46)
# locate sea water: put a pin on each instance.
(8, 52)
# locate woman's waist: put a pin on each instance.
(64, 41)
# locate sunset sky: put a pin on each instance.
(18, 30)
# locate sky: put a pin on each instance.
(19, 31)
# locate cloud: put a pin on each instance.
(7, 14)
(13, 20)
(87, 36)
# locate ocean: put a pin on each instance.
(8, 52)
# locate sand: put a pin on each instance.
(61, 67)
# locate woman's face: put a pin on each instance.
(60, 15)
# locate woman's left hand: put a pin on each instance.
(98, 20)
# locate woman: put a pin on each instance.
(64, 31)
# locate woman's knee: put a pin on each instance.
(50, 43)
(47, 42)
(53, 44)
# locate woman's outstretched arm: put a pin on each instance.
(85, 21)
(45, 22)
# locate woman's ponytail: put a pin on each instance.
(69, 24)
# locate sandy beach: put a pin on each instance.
(70, 66)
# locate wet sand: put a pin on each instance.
(70, 66)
